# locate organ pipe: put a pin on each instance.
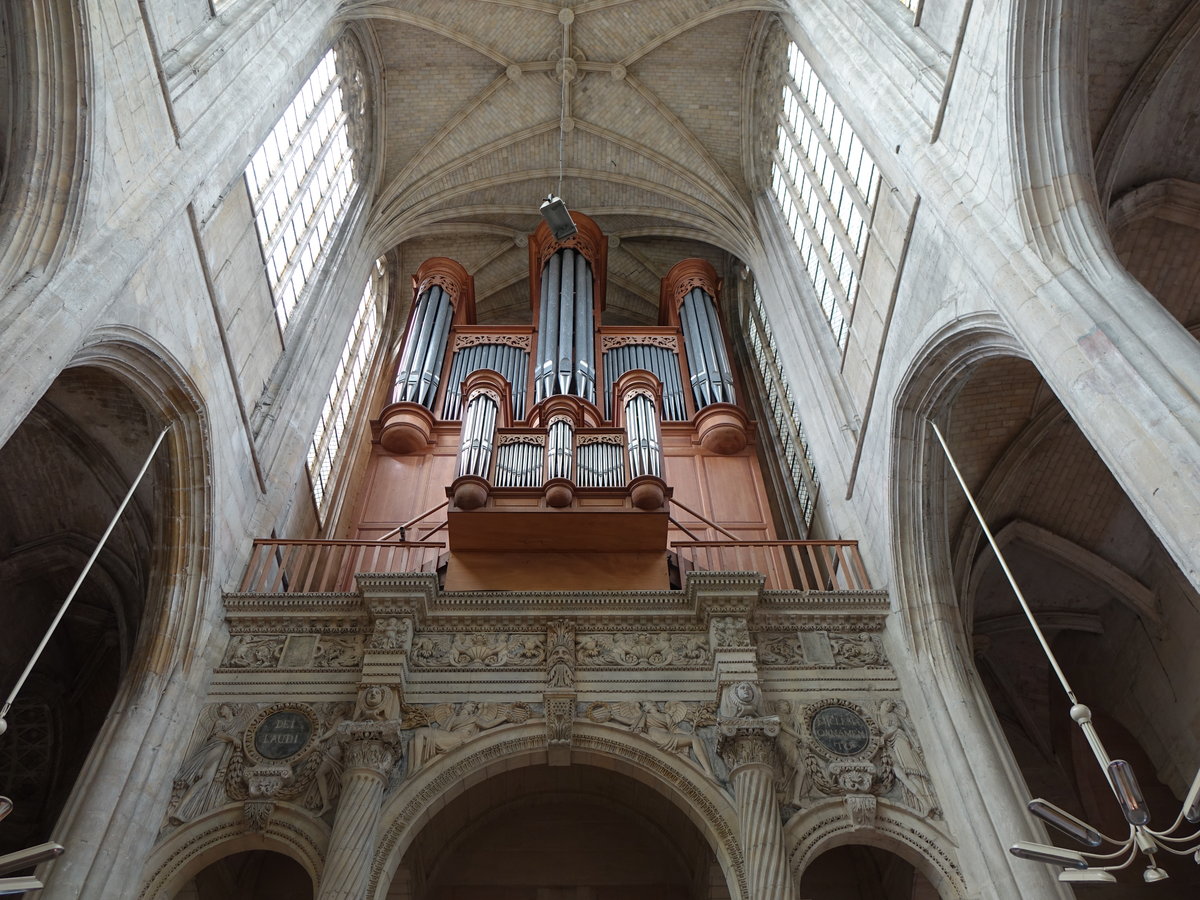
(566, 353)
(641, 430)
(712, 377)
(419, 372)
(560, 449)
(478, 435)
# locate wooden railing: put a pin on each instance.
(788, 565)
(284, 567)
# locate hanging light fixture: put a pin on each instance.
(553, 209)
(1082, 866)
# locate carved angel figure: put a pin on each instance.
(908, 761)
(449, 730)
(201, 778)
(668, 728)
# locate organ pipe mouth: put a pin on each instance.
(554, 211)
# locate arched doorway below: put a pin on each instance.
(859, 872)
(250, 875)
(570, 833)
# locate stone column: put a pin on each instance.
(371, 751)
(748, 748)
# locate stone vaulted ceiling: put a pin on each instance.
(656, 119)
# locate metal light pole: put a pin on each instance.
(1091, 866)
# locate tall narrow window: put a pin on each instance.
(825, 183)
(301, 180)
(347, 383)
(777, 398)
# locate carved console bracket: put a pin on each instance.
(560, 713)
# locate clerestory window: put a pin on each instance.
(776, 394)
(301, 181)
(826, 184)
(347, 384)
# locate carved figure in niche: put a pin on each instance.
(449, 730)
(560, 641)
(794, 783)
(856, 650)
(201, 779)
(730, 632)
(672, 728)
(908, 762)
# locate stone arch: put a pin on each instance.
(708, 807)
(222, 832)
(115, 804)
(986, 799)
(45, 140)
(827, 825)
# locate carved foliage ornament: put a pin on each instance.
(477, 650)
(643, 650)
(666, 341)
(520, 341)
(729, 632)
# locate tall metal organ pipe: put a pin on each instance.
(566, 352)
(641, 430)
(420, 367)
(560, 449)
(712, 377)
(478, 435)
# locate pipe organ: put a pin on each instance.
(562, 414)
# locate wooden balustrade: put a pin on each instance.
(788, 565)
(283, 567)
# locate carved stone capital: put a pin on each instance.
(747, 742)
(371, 745)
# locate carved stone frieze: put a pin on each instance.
(477, 650)
(672, 726)
(643, 650)
(254, 651)
(780, 650)
(857, 650)
(334, 652)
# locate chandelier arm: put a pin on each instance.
(1160, 836)
(1133, 854)
(1123, 848)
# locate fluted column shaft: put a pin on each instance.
(749, 759)
(352, 844)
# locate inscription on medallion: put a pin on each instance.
(282, 734)
(841, 731)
